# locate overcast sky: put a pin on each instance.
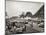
(16, 8)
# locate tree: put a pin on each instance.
(29, 14)
(22, 15)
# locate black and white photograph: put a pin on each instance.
(22, 17)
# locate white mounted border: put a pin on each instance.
(28, 0)
(2, 18)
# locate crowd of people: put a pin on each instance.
(23, 27)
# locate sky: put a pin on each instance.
(16, 8)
